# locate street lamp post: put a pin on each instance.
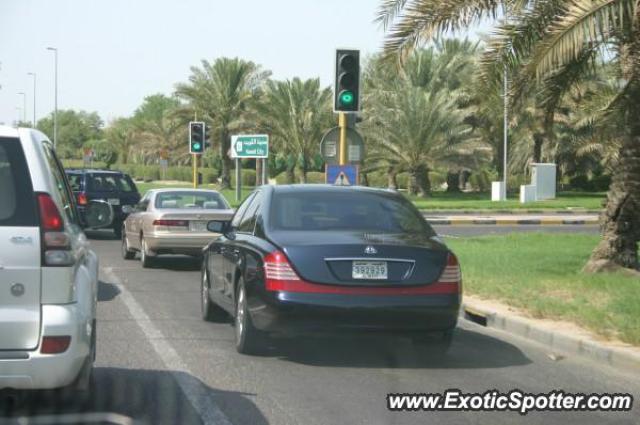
(55, 110)
(34, 97)
(24, 106)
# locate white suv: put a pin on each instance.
(48, 274)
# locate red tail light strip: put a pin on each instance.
(438, 288)
(180, 223)
(280, 276)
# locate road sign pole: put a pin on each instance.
(238, 181)
(264, 171)
(342, 123)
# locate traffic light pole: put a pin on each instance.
(195, 170)
(342, 123)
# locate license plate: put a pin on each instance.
(198, 226)
(370, 270)
(114, 201)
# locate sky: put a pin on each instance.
(113, 53)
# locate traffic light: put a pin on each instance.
(196, 137)
(347, 84)
(207, 136)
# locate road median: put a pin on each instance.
(511, 220)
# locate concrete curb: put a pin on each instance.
(514, 211)
(616, 357)
(489, 221)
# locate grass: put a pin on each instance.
(482, 200)
(540, 273)
(442, 200)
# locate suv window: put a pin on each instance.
(17, 204)
(248, 221)
(61, 184)
(240, 212)
(75, 180)
(110, 183)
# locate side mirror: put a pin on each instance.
(218, 226)
(98, 214)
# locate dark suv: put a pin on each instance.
(117, 188)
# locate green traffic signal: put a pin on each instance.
(196, 147)
(346, 98)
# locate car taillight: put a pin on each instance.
(55, 344)
(82, 199)
(451, 272)
(56, 243)
(50, 218)
(181, 223)
(280, 276)
(278, 271)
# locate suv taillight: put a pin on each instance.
(56, 243)
(82, 199)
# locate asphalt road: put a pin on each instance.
(159, 363)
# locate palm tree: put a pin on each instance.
(417, 121)
(220, 93)
(157, 127)
(121, 135)
(544, 38)
(296, 113)
(419, 128)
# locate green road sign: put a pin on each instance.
(250, 146)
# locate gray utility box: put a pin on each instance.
(543, 184)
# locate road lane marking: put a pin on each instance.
(193, 389)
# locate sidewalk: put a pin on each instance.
(510, 219)
(561, 337)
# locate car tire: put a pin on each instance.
(211, 312)
(249, 340)
(127, 253)
(145, 258)
(434, 345)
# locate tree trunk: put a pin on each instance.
(453, 181)
(364, 179)
(225, 145)
(419, 183)
(538, 139)
(620, 220)
(464, 178)
(392, 178)
(303, 171)
(291, 174)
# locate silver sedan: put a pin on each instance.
(172, 221)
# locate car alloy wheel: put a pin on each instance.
(249, 340)
(145, 258)
(240, 312)
(204, 294)
(127, 253)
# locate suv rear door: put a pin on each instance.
(117, 189)
(20, 256)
